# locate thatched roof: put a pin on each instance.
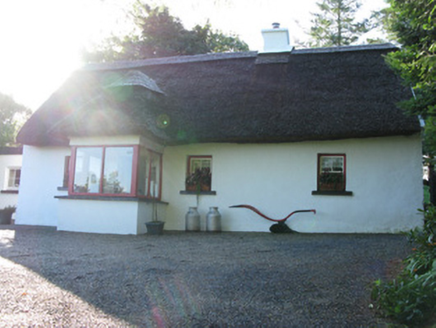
(11, 150)
(310, 94)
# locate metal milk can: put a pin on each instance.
(213, 220)
(192, 220)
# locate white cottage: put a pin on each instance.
(279, 130)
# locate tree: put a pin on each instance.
(12, 116)
(158, 34)
(413, 22)
(335, 24)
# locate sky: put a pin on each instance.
(41, 40)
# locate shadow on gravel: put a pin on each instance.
(209, 280)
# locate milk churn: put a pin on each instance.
(213, 220)
(192, 222)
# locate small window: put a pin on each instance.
(331, 172)
(14, 177)
(199, 173)
(66, 171)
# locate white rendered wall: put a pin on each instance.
(41, 175)
(6, 162)
(112, 216)
(145, 214)
(384, 174)
(99, 216)
(116, 217)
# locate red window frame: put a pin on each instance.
(189, 169)
(133, 184)
(331, 187)
(149, 196)
(135, 174)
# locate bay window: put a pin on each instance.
(116, 171)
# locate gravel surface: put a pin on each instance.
(51, 278)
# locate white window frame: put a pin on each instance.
(9, 179)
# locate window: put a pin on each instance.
(149, 174)
(66, 172)
(199, 173)
(331, 172)
(116, 171)
(87, 172)
(14, 176)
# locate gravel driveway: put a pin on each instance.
(51, 278)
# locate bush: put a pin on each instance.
(411, 298)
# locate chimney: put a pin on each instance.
(276, 39)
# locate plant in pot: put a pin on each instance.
(331, 181)
(6, 214)
(199, 180)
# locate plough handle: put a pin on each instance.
(268, 218)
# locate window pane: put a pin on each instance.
(155, 175)
(117, 177)
(198, 164)
(332, 164)
(88, 169)
(199, 176)
(143, 172)
(331, 173)
(66, 171)
(14, 178)
(17, 178)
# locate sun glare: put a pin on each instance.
(42, 40)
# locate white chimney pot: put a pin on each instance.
(276, 39)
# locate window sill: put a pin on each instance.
(9, 191)
(110, 198)
(186, 192)
(332, 193)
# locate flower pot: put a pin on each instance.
(338, 186)
(154, 227)
(5, 217)
(201, 187)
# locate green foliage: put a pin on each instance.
(161, 35)
(413, 22)
(411, 298)
(200, 179)
(335, 24)
(9, 209)
(12, 116)
(408, 300)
